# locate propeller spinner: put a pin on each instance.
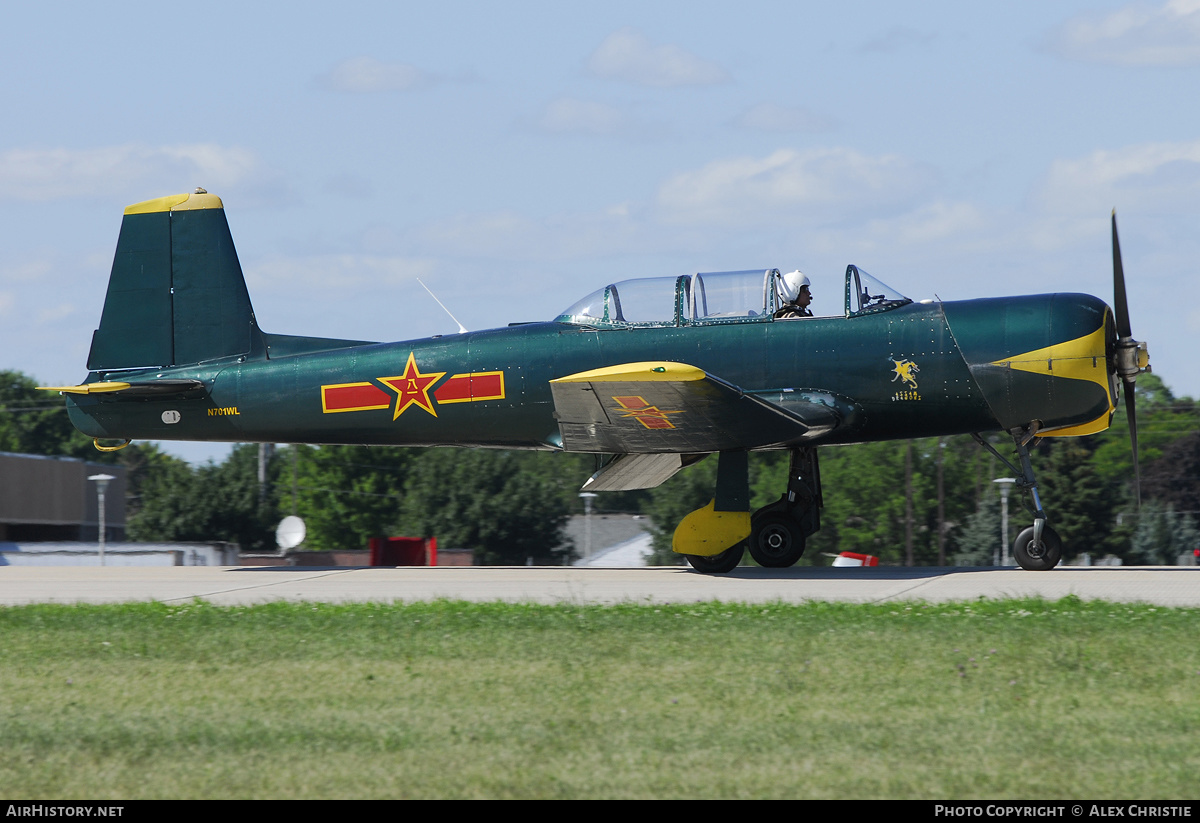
(1130, 357)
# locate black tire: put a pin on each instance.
(722, 563)
(776, 541)
(1038, 557)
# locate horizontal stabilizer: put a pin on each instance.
(663, 407)
(142, 388)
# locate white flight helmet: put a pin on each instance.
(789, 285)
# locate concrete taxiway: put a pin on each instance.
(1160, 585)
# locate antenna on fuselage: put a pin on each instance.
(461, 328)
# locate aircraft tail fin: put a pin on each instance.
(176, 295)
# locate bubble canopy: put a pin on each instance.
(744, 296)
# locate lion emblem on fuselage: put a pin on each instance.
(906, 370)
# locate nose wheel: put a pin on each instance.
(1037, 553)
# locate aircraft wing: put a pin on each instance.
(664, 407)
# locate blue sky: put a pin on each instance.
(517, 156)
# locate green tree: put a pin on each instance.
(506, 506)
(1162, 419)
(347, 494)
(1175, 476)
(36, 422)
(1081, 506)
(980, 535)
(217, 501)
(1162, 535)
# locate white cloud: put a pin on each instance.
(777, 118)
(1136, 35)
(931, 224)
(352, 186)
(50, 174)
(30, 271)
(819, 184)
(1152, 177)
(365, 75)
(336, 272)
(627, 55)
(54, 314)
(511, 236)
(899, 38)
(572, 116)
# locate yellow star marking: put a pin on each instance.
(412, 387)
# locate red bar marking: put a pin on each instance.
(344, 397)
(467, 388)
(456, 389)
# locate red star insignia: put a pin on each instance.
(413, 387)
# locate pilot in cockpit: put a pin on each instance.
(794, 289)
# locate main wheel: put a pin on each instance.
(776, 541)
(1038, 557)
(721, 563)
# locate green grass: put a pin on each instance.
(1004, 699)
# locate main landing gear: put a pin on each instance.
(1037, 548)
(714, 538)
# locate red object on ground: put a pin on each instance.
(855, 559)
(403, 551)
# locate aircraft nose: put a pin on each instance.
(1041, 358)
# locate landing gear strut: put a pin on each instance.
(1037, 548)
(778, 531)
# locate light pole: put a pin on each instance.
(101, 481)
(1006, 484)
(587, 523)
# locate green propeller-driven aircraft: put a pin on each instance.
(650, 375)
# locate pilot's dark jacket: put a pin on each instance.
(791, 310)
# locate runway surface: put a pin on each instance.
(1160, 585)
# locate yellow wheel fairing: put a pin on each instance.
(1084, 358)
(706, 532)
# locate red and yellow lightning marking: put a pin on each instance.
(412, 387)
(649, 416)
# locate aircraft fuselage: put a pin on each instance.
(923, 369)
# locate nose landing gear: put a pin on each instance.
(1037, 548)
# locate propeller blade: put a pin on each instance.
(1127, 348)
(1131, 418)
(1120, 305)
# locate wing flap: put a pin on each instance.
(627, 472)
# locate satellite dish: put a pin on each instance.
(290, 532)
